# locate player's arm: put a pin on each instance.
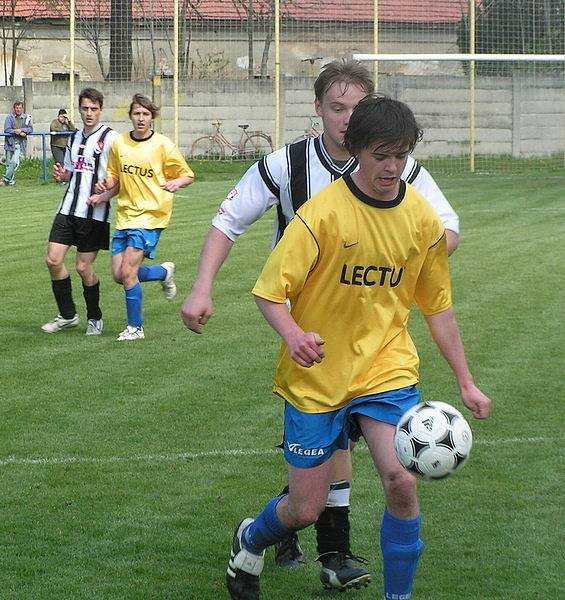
(244, 205)
(197, 307)
(305, 348)
(445, 332)
(176, 184)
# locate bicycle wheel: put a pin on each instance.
(207, 148)
(257, 145)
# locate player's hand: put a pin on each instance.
(476, 401)
(305, 348)
(196, 311)
(172, 186)
(95, 199)
(59, 173)
(101, 186)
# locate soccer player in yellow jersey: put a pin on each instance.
(147, 168)
(355, 259)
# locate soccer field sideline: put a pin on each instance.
(228, 452)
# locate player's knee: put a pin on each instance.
(53, 263)
(306, 513)
(400, 490)
(83, 268)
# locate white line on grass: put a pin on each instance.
(236, 452)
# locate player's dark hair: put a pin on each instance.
(350, 72)
(146, 102)
(383, 120)
(93, 95)
(17, 103)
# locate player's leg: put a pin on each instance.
(165, 273)
(400, 528)
(92, 236)
(309, 442)
(127, 256)
(61, 238)
(308, 489)
(340, 568)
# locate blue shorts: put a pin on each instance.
(142, 239)
(311, 439)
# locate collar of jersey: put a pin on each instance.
(327, 161)
(140, 141)
(373, 201)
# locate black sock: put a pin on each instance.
(91, 295)
(63, 293)
(332, 530)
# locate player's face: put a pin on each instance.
(18, 110)
(335, 109)
(380, 169)
(90, 113)
(141, 119)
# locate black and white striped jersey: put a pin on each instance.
(288, 177)
(86, 157)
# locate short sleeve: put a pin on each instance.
(289, 264)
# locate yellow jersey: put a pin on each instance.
(142, 167)
(352, 267)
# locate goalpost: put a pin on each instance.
(509, 120)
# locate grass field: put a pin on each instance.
(125, 467)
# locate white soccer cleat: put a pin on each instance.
(59, 323)
(94, 327)
(169, 286)
(131, 333)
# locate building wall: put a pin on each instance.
(520, 116)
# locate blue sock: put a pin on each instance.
(151, 273)
(134, 302)
(401, 548)
(266, 530)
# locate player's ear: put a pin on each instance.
(318, 107)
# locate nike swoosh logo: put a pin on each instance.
(349, 244)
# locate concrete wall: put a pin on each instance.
(520, 116)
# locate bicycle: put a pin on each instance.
(311, 132)
(252, 144)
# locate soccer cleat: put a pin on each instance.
(94, 327)
(288, 552)
(131, 333)
(340, 571)
(59, 323)
(168, 284)
(244, 568)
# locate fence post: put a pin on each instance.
(157, 95)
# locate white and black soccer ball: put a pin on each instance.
(433, 440)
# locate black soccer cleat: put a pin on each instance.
(288, 552)
(244, 568)
(342, 571)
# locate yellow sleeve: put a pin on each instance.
(113, 167)
(433, 289)
(175, 165)
(289, 264)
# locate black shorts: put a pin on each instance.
(87, 235)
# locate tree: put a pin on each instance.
(17, 20)
(93, 26)
(121, 29)
(514, 27)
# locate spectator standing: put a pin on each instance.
(19, 124)
(59, 142)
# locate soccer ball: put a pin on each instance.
(433, 440)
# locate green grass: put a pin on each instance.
(125, 467)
